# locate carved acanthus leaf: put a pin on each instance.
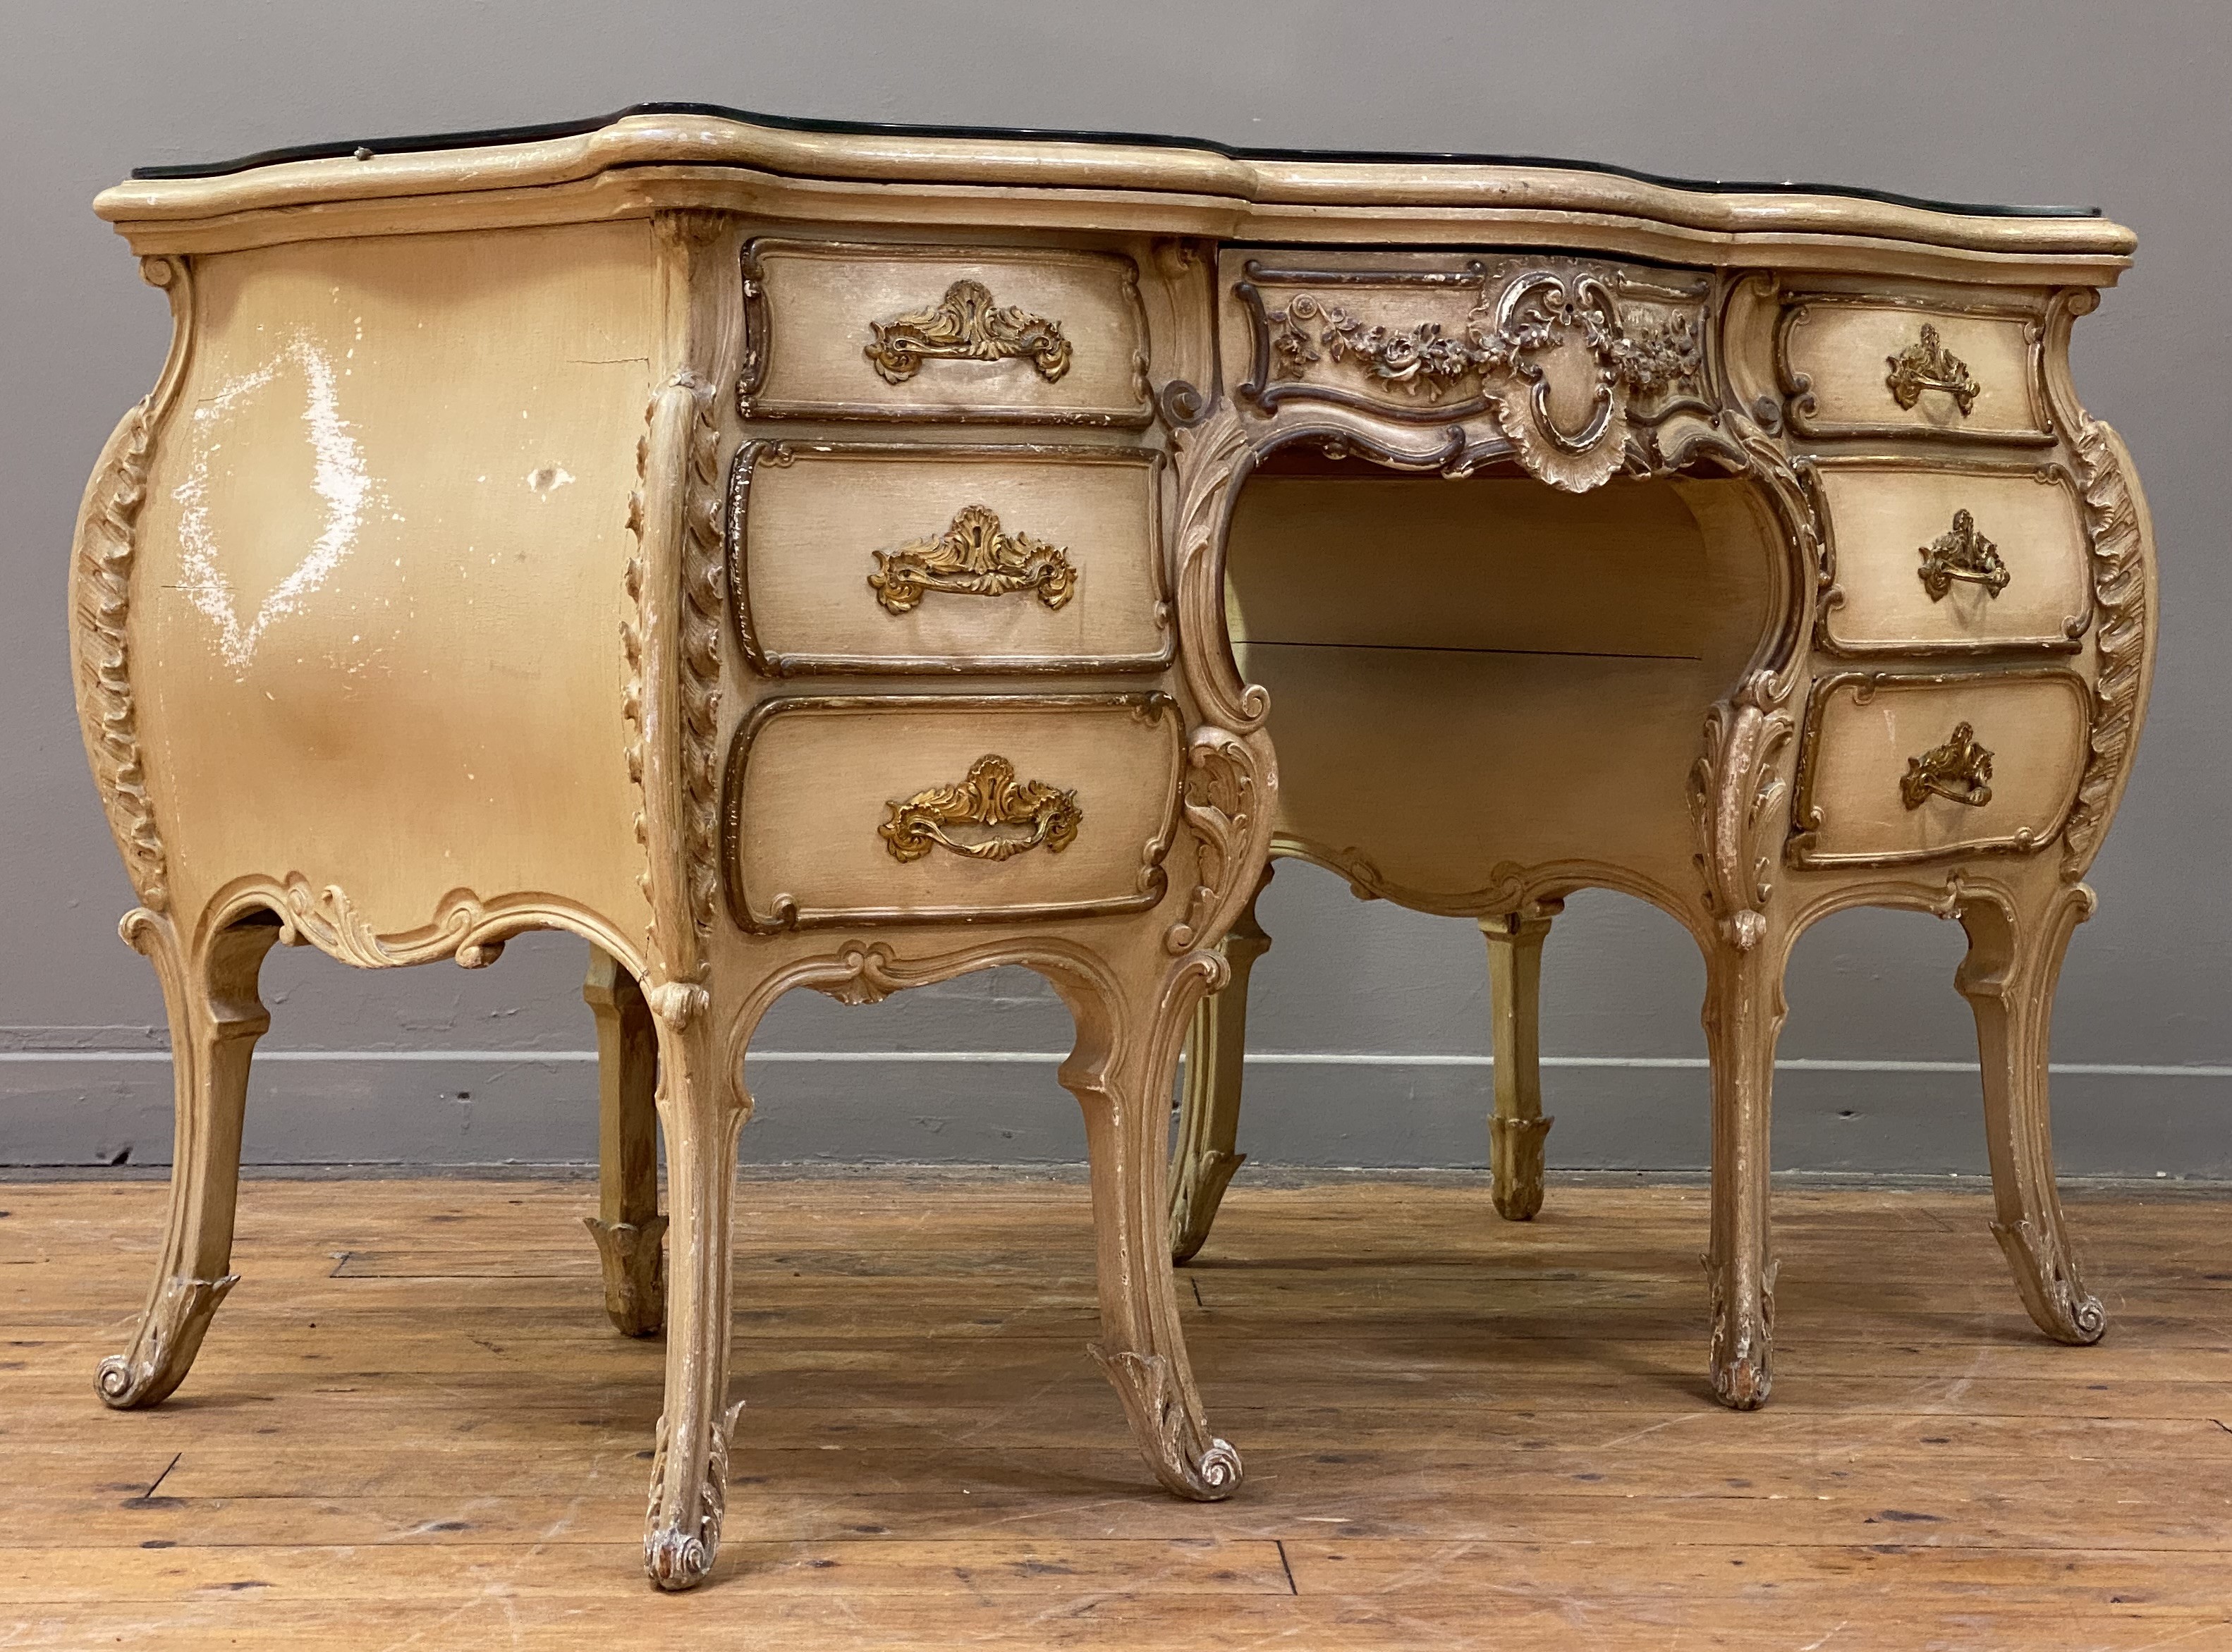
(1221, 807)
(1733, 792)
(2120, 606)
(679, 1545)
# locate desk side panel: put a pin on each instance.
(376, 621)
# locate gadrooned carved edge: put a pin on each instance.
(1189, 1459)
(2119, 595)
(700, 578)
(678, 1552)
(101, 602)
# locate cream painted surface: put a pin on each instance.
(1438, 767)
(814, 524)
(2033, 726)
(381, 572)
(1846, 351)
(820, 780)
(1371, 559)
(819, 303)
(1883, 518)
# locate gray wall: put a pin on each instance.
(2123, 106)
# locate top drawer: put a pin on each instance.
(1853, 367)
(873, 332)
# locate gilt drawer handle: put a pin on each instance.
(973, 558)
(1960, 769)
(1928, 365)
(990, 799)
(1961, 553)
(966, 326)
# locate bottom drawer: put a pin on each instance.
(916, 808)
(1898, 768)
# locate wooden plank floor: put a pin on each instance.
(412, 1427)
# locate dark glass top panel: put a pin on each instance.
(424, 141)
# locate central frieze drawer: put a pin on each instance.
(1952, 559)
(833, 331)
(953, 559)
(898, 809)
(1911, 767)
(1851, 367)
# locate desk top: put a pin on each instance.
(665, 155)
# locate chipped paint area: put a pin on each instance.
(339, 478)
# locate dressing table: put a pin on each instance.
(789, 556)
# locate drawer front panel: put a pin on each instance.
(1953, 560)
(909, 809)
(895, 560)
(1859, 369)
(858, 332)
(1901, 768)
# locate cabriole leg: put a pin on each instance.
(2008, 978)
(629, 1231)
(703, 1110)
(1744, 1010)
(1209, 1105)
(1120, 1074)
(215, 1018)
(1517, 1128)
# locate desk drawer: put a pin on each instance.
(899, 809)
(1857, 368)
(1950, 559)
(951, 558)
(1897, 768)
(955, 333)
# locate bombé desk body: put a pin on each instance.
(790, 556)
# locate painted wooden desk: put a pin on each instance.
(790, 556)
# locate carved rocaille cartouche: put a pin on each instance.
(627, 702)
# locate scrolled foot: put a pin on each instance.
(680, 1543)
(1516, 1179)
(2059, 1303)
(1187, 1458)
(1743, 1341)
(168, 1337)
(634, 1257)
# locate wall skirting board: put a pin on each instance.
(97, 1107)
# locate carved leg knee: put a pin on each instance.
(1120, 1073)
(215, 1018)
(2008, 978)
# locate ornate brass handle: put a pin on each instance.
(1961, 553)
(1928, 365)
(990, 798)
(973, 558)
(965, 326)
(1960, 769)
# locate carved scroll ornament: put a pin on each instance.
(1550, 351)
(1928, 365)
(973, 558)
(966, 324)
(1961, 553)
(990, 798)
(1960, 770)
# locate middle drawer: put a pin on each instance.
(883, 558)
(1952, 559)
